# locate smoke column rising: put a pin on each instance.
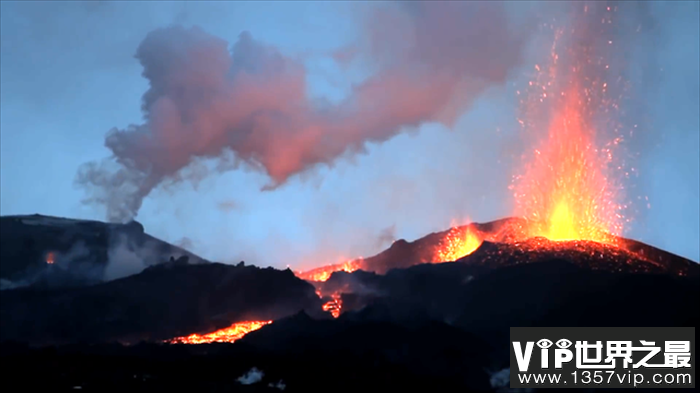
(249, 105)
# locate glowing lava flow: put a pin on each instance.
(458, 243)
(334, 306)
(323, 273)
(49, 258)
(566, 191)
(228, 335)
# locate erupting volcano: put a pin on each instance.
(569, 188)
(568, 194)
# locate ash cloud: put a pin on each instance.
(249, 105)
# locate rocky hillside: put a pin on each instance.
(58, 252)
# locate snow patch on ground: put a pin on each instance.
(252, 376)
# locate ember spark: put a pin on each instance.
(228, 335)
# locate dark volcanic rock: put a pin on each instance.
(558, 293)
(550, 292)
(396, 342)
(586, 254)
(331, 355)
(78, 249)
(163, 302)
(378, 349)
(438, 326)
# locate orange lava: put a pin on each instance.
(49, 258)
(566, 191)
(323, 273)
(334, 306)
(458, 243)
(227, 335)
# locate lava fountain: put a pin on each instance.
(567, 191)
(459, 242)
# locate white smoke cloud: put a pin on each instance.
(125, 260)
(252, 376)
(127, 257)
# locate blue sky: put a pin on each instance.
(68, 75)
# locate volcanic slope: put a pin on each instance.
(58, 252)
(503, 242)
(162, 302)
(548, 281)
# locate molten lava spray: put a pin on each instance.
(459, 242)
(567, 191)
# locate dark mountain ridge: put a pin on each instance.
(60, 252)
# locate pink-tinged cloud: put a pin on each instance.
(431, 59)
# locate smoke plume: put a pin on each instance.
(386, 236)
(249, 105)
(126, 259)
